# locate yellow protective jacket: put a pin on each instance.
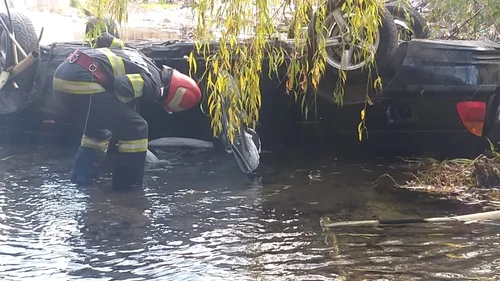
(131, 74)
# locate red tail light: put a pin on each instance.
(472, 114)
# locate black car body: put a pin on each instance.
(442, 96)
(440, 93)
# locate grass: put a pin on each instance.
(472, 181)
(450, 175)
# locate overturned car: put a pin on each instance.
(434, 90)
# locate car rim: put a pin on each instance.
(405, 32)
(342, 51)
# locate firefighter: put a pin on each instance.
(104, 84)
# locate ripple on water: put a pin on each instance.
(196, 221)
(42, 225)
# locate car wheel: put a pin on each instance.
(26, 36)
(110, 25)
(341, 53)
(383, 49)
(409, 23)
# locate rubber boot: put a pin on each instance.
(86, 165)
(128, 172)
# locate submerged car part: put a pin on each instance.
(151, 157)
(246, 146)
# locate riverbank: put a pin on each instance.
(175, 21)
(474, 182)
(162, 22)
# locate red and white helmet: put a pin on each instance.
(180, 91)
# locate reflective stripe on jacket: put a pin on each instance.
(73, 79)
(132, 74)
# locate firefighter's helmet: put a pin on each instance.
(180, 92)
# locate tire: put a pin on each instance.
(388, 43)
(406, 15)
(25, 35)
(110, 25)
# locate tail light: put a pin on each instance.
(472, 114)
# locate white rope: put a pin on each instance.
(90, 99)
(483, 216)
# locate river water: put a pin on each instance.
(199, 218)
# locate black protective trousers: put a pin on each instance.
(103, 116)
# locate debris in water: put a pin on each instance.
(8, 157)
(315, 175)
(151, 158)
(482, 172)
(472, 181)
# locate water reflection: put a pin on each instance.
(198, 218)
(41, 219)
(114, 231)
(422, 252)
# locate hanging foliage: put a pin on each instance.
(226, 22)
(464, 19)
(103, 12)
(255, 21)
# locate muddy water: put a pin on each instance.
(198, 218)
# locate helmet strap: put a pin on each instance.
(166, 78)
